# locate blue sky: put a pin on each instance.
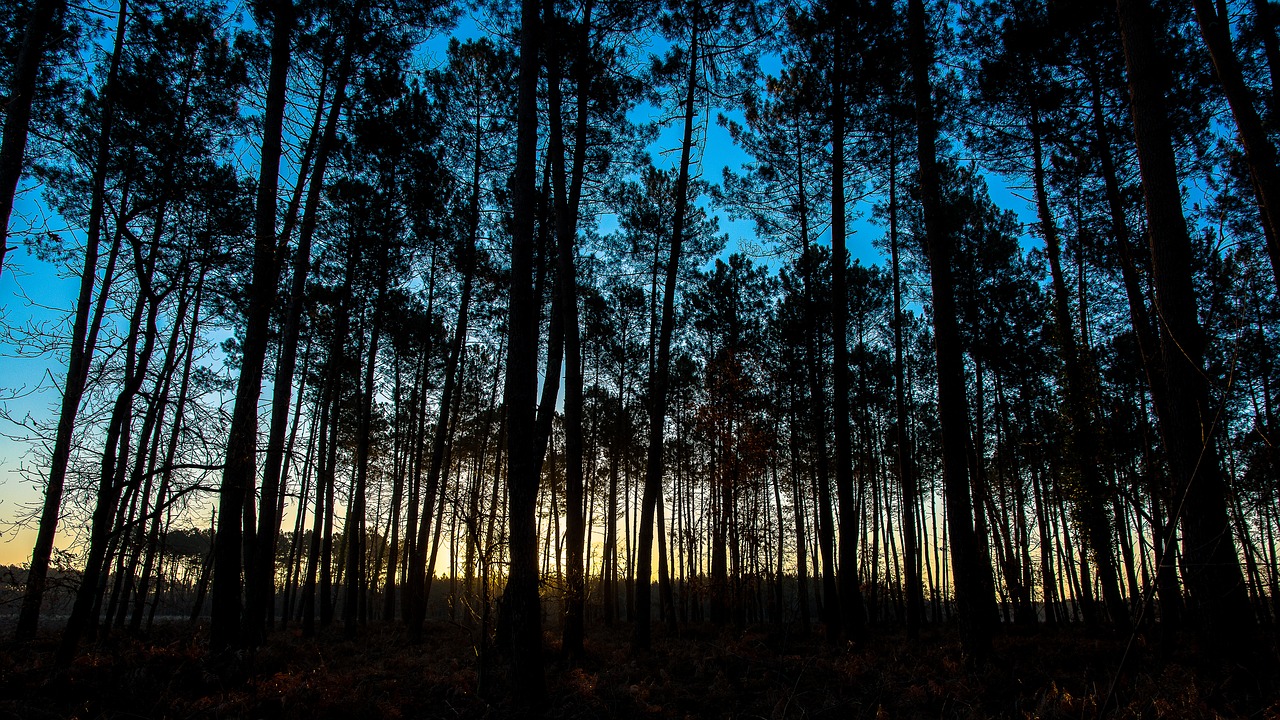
(39, 294)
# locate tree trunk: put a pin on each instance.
(799, 511)
(1213, 576)
(906, 468)
(135, 621)
(260, 575)
(225, 629)
(972, 579)
(307, 603)
(658, 386)
(852, 610)
(355, 526)
(293, 573)
(144, 466)
(41, 25)
(83, 340)
(1083, 435)
(116, 452)
(521, 596)
(1259, 152)
(399, 478)
(566, 214)
(329, 466)
(206, 570)
(416, 600)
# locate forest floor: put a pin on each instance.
(756, 673)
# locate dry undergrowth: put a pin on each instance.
(759, 673)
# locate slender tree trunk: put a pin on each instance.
(115, 455)
(825, 525)
(566, 214)
(609, 573)
(307, 604)
(42, 24)
(1084, 436)
(355, 526)
(206, 571)
(329, 466)
(397, 499)
(225, 630)
(1148, 344)
(779, 598)
(411, 580)
(438, 525)
(289, 606)
(799, 512)
(144, 466)
(906, 467)
(260, 583)
(852, 610)
(153, 540)
(83, 338)
(521, 596)
(660, 381)
(555, 361)
(476, 521)
(972, 579)
(1259, 151)
(416, 601)
(719, 585)
(1213, 576)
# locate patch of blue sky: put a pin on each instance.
(39, 294)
